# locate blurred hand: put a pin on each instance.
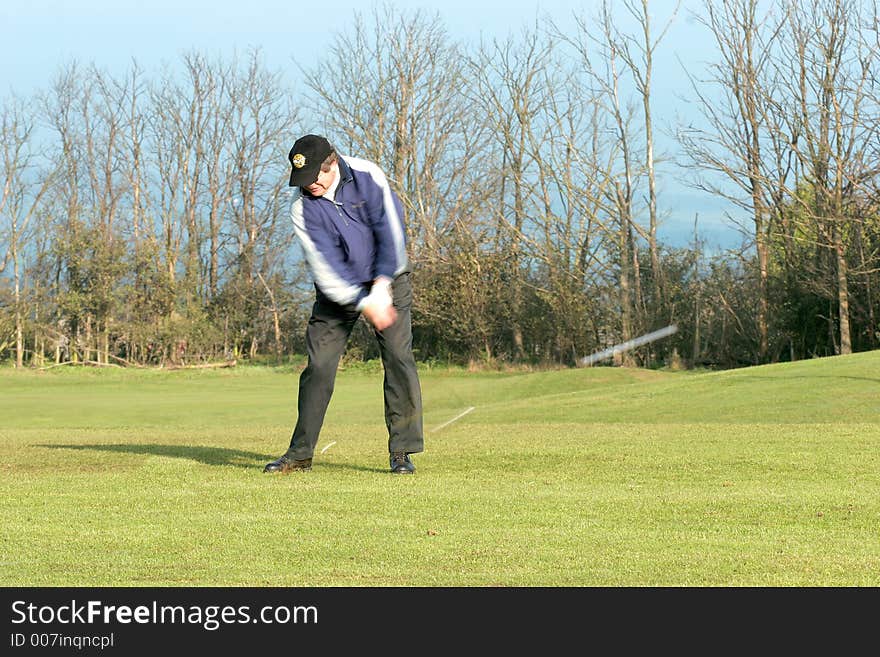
(379, 309)
(381, 317)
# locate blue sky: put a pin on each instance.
(38, 36)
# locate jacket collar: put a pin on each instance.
(344, 172)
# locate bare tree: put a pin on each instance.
(61, 107)
(638, 55)
(261, 123)
(219, 179)
(105, 111)
(829, 70)
(171, 176)
(793, 134)
(511, 86)
(177, 123)
(598, 53)
(732, 144)
(24, 186)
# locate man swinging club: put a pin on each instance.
(349, 223)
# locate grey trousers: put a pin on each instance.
(329, 328)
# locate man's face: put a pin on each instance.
(325, 179)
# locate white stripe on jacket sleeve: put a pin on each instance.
(331, 283)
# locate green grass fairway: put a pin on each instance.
(767, 476)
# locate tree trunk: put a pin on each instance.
(87, 343)
(626, 319)
(842, 293)
(19, 330)
(105, 347)
(763, 293)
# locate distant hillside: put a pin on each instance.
(834, 389)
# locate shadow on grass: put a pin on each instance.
(207, 455)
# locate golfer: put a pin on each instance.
(350, 226)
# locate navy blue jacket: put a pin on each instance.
(353, 239)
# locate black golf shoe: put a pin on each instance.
(401, 463)
(285, 465)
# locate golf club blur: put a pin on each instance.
(610, 352)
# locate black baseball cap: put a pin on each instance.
(306, 157)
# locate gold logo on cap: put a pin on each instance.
(299, 160)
